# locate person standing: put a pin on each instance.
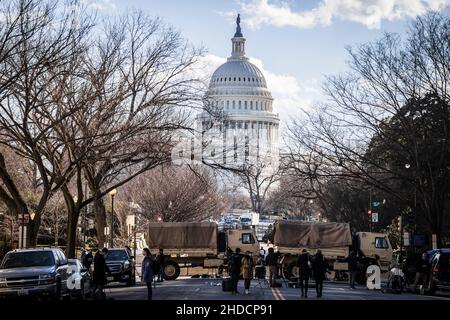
(247, 270)
(422, 270)
(235, 269)
(147, 271)
(100, 270)
(304, 272)
(319, 268)
(87, 260)
(160, 258)
(352, 261)
(262, 252)
(272, 263)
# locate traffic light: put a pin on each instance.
(369, 213)
(399, 220)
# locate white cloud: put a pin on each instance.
(367, 12)
(290, 95)
(106, 6)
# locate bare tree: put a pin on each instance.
(176, 194)
(40, 41)
(387, 121)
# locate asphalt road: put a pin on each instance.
(211, 289)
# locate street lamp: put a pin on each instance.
(112, 193)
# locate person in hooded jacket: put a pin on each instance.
(319, 268)
(304, 272)
(147, 271)
(247, 270)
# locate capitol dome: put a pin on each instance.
(239, 72)
(239, 90)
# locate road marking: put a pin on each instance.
(277, 294)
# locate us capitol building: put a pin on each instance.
(248, 130)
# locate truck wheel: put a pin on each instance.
(290, 270)
(171, 270)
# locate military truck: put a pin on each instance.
(197, 244)
(335, 240)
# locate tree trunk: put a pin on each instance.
(72, 224)
(100, 220)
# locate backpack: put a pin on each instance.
(155, 267)
(231, 264)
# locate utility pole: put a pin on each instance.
(370, 208)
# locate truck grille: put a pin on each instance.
(22, 282)
(115, 268)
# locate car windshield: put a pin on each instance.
(116, 255)
(28, 259)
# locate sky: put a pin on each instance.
(296, 43)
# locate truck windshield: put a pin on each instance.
(116, 255)
(28, 259)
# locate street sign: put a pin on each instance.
(375, 204)
(406, 239)
(374, 216)
(23, 218)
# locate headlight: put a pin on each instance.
(126, 264)
(46, 278)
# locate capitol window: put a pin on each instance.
(234, 79)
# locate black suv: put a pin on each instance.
(120, 263)
(439, 278)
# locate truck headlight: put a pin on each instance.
(46, 278)
(126, 264)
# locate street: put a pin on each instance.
(185, 288)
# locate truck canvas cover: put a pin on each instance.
(299, 234)
(183, 235)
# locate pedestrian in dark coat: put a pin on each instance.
(422, 270)
(272, 263)
(100, 271)
(235, 264)
(161, 261)
(304, 272)
(147, 271)
(352, 261)
(319, 268)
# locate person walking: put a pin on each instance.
(352, 261)
(100, 271)
(235, 264)
(304, 272)
(247, 270)
(161, 260)
(272, 263)
(422, 270)
(147, 271)
(319, 268)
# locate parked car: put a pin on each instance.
(120, 263)
(80, 281)
(439, 278)
(34, 272)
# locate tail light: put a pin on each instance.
(436, 269)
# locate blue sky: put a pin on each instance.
(295, 42)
